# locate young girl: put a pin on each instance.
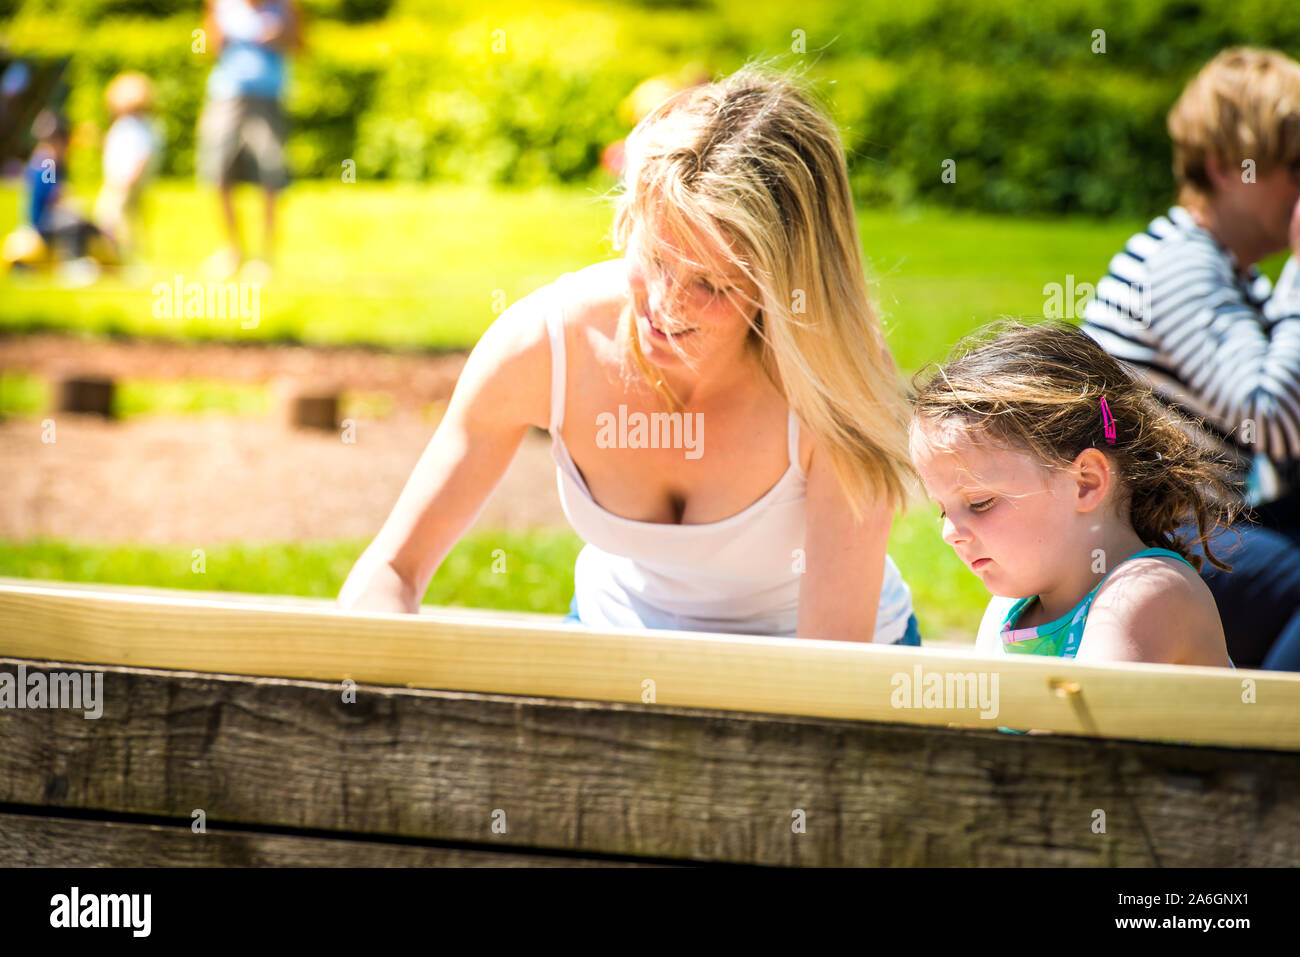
(1061, 483)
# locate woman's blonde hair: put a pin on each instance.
(1243, 105)
(1039, 388)
(753, 166)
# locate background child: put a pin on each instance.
(132, 148)
(1066, 505)
(55, 232)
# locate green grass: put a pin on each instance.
(521, 571)
(24, 394)
(537, 576)
(398, 266)
(187, 397)
(426, 266)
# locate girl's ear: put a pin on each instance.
(1093, 478)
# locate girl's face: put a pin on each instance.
(1011, 520)
(701, 311)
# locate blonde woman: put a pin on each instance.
(726, 419)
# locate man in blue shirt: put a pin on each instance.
(243, 127)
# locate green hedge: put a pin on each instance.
(1020, 141)
(1010, 90)
(95, 11)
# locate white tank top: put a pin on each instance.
(737, 575)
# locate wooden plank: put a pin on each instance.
(642, 781)
(740, 673)
(429, 612)
(434, 612)
(28, 841)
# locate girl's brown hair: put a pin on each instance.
(1039, 388)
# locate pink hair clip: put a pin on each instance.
(1108, 421)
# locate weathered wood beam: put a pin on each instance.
(39, 841)
(651, 782)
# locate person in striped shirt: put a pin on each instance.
(1186, 308)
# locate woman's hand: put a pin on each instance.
(374, 585)
(504, 388)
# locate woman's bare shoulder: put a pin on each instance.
(595, 295)
(511, 363)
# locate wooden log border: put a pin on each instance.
(618, 782)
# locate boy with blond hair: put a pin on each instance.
(132, 149)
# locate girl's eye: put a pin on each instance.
(983, 506)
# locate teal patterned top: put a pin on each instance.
(1060, 638)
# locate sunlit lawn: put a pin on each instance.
(424, 266)
(412, 265)
(530, 571)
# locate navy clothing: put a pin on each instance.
(1259, 600)
(44, 179)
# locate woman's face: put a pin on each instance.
(682, 305)
(1268, 205)
(1275, 203)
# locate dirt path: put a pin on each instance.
(411, 378)
(207, 479)
(223, 479)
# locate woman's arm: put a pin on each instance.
(504, 388)
(212, 29)
(285, 34)
(294, 32)
(839, 595)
